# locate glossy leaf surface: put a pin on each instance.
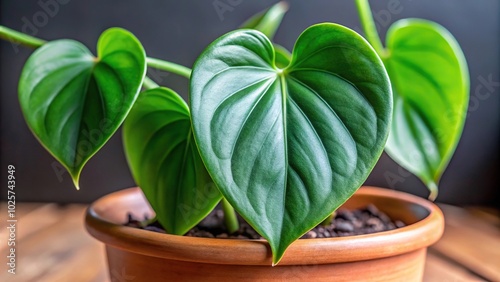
(288, 147)
(165, 162)
(431, 90)
(73, 102)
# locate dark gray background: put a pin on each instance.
(179, 30)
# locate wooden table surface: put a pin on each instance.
(52, 245)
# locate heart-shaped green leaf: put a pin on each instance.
(268, 20)
(165, 162)
(287, 147)
(430, 81)
(74, 102)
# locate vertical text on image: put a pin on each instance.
(11, 219)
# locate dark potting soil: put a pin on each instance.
(346, 223)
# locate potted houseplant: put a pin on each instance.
(284, 139)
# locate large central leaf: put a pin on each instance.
(288, 147)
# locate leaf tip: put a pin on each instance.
(278, 254)
(77, 185)
(283, 5)
(75, 176)
(277, 259)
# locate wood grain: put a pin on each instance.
(441, 269)
(53, 246)
(471, 241)
(21, 211)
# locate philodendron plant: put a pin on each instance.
(281, 138)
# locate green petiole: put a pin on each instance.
(366, 18)
(230, 218)
(33, 42)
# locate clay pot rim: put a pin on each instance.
(420, 234)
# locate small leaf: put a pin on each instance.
(431, 91)
(74, 102)
(286, 147)
(165, 162)
(268, 20)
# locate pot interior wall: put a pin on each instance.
(403, 210)
(116, 211)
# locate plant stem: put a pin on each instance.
(369, 27)
(328, 220)
(230, 218)
(20, 38)
(33, 42)
(149, 83)
(169, 66)
(433, 188)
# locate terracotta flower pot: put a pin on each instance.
(140, 255)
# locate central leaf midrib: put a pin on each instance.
(103, 106)
(84, 98)
(123, 91)
(415, 134)
(50, 102)
(284, 97)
